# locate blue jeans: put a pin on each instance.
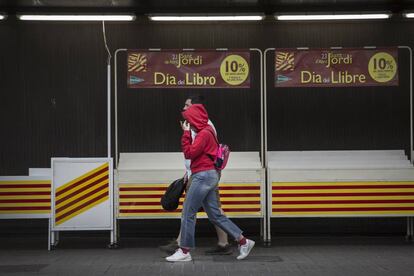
(202, 192)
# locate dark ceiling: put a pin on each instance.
(203, 6)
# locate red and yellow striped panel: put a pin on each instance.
(81, 194)
(24, 197)
(343, 198)
(143, 200)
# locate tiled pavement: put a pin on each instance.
(348, 256)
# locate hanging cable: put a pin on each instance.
(105, 42)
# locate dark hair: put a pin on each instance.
(196, 99)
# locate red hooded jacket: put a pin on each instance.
(202, 151)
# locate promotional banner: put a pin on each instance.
(184, 69)
(336, 68)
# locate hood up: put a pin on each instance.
(197, 116)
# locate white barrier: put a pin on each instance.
(142, 178)
(340, 184)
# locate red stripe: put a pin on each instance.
(140, 196)
(149, 211)
(21, 183)
(82, 189)
(24, 200)
(241, 209)
(142, 189)
(240, 188)
(342, 194)
(343, 209)
(179, 210)
(165, 188)
(82, 206)
(25, 208)
(70, 203)
(81, 181)
(25, 186)
(157, 203)
(159, 196)
(390, 186)
(23, 193)
(343, 201)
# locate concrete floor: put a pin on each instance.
(348, 256)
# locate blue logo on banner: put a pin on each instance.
(281, 78)
(135, 80)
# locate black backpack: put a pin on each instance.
(171, 197)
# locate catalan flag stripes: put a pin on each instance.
(343, 198)
(24, 197)
(143, 200)
(81, 194)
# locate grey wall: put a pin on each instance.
(53, 88)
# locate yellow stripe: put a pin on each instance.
(141, 192)
(71, 207)
(199, 215)
(142, 200)
(345, 213)
(289, 206)
(105, 165)
(155, 207)
(75, 197)
(284, 199)
(143, 185)
(239, 184)
(26, 197)
(343, 191)
(132, 185)
(14, 204)
(151, 215)
(15, 182)
(239, 191)
(287, 184)
(9, 190)
(222, 199)
(162, 192)
(78, 187)
(26, 212)
(241, 213)
(82, 210)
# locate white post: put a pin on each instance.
(410, 51)
(116, 103)
(108, 76)
(268, 180)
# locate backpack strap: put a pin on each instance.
(210, 129)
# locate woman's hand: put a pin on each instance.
(185, 125)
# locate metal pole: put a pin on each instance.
(108, 76)
(268, 180)
(262, 173)
(49, 240)
(116, 103)
(265, 103)
(261, 105)
(410, 51)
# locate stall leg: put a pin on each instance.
(409, 236)
(114, 236)
(268, 210)
(49, 238)
(54, 239)
(262, 229)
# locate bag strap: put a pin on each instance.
(210, 129)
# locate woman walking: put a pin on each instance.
(204, 181)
